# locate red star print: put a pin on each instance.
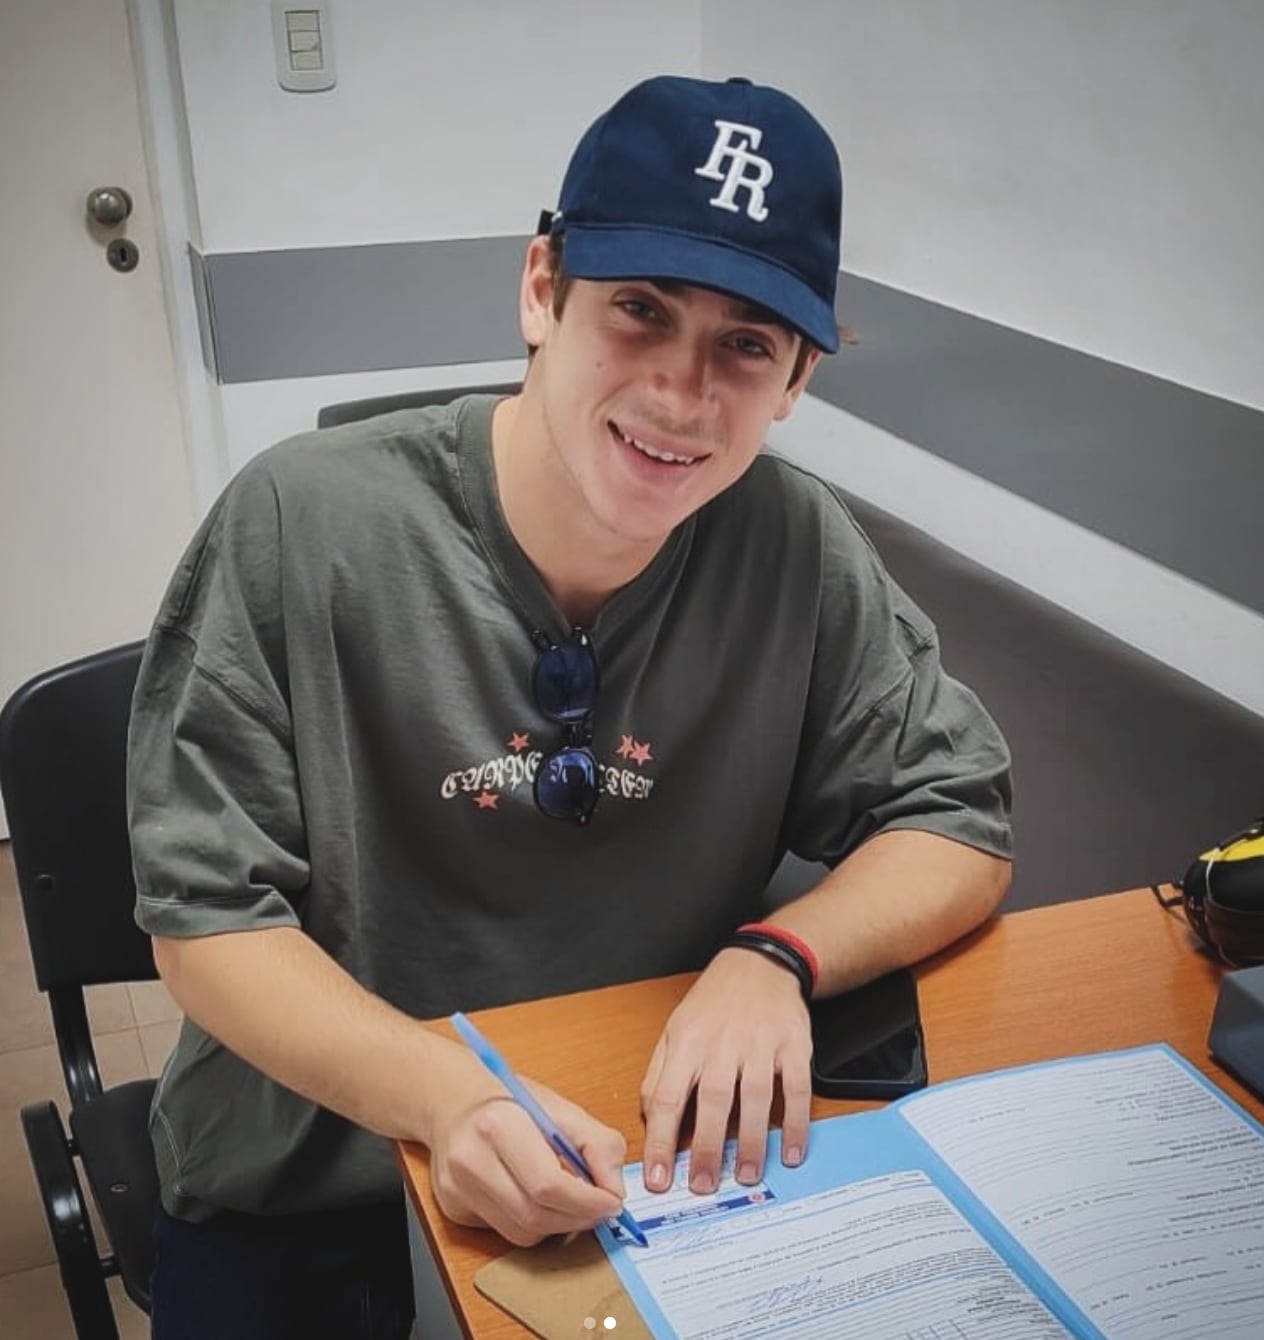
(642, 754)
(626, 747)
(518, 742)
(487, 800)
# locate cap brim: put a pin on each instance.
(646, 253)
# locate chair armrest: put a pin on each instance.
(82, 1273)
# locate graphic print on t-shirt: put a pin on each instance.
(484, 783)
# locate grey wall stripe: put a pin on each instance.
(326, 310)
(1168, 472)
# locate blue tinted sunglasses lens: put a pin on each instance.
(565, 681)
(566, 783)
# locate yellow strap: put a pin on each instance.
(1241, 850)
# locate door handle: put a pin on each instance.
(109, 205)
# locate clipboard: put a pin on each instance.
(555, 1287)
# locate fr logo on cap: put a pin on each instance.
(732, 186)
(739, 157)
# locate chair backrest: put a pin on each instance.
(1124, 769)
(347, 411)
(63, 764)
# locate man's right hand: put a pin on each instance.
(282, 1004)
(490, 1167)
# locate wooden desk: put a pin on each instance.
(1086, 976)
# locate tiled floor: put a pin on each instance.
(135, 1028)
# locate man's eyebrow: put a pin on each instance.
(738, 309)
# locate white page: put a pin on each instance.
(888, 1258)
(1133, 1186)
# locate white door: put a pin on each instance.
(95, 495)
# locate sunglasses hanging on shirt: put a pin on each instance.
(565, 681)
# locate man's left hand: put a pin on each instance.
(742, 1025)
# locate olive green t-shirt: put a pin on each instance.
(334, 729)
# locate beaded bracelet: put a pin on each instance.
(783, 947)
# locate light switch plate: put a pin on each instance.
(303, 43)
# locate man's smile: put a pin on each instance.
(654, 449)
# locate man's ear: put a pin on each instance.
(535, 299)
(797, 387)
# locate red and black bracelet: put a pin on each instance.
(782, 946)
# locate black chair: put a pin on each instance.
(1124, 768)
(348, 411)
(63, 746)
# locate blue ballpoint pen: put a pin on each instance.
(521, 1095)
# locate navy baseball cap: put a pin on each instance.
(732, 186)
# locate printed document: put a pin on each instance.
(1118, 1196)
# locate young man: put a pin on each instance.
(458, 707)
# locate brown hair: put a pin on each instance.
(562, 286)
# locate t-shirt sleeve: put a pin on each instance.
(214, 806)
(890, 740)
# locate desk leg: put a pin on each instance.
(435, 1318)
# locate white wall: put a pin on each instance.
(447, 120)
(1085, 171)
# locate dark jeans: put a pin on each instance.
(343, 1274)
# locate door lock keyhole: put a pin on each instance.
(123, 255)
